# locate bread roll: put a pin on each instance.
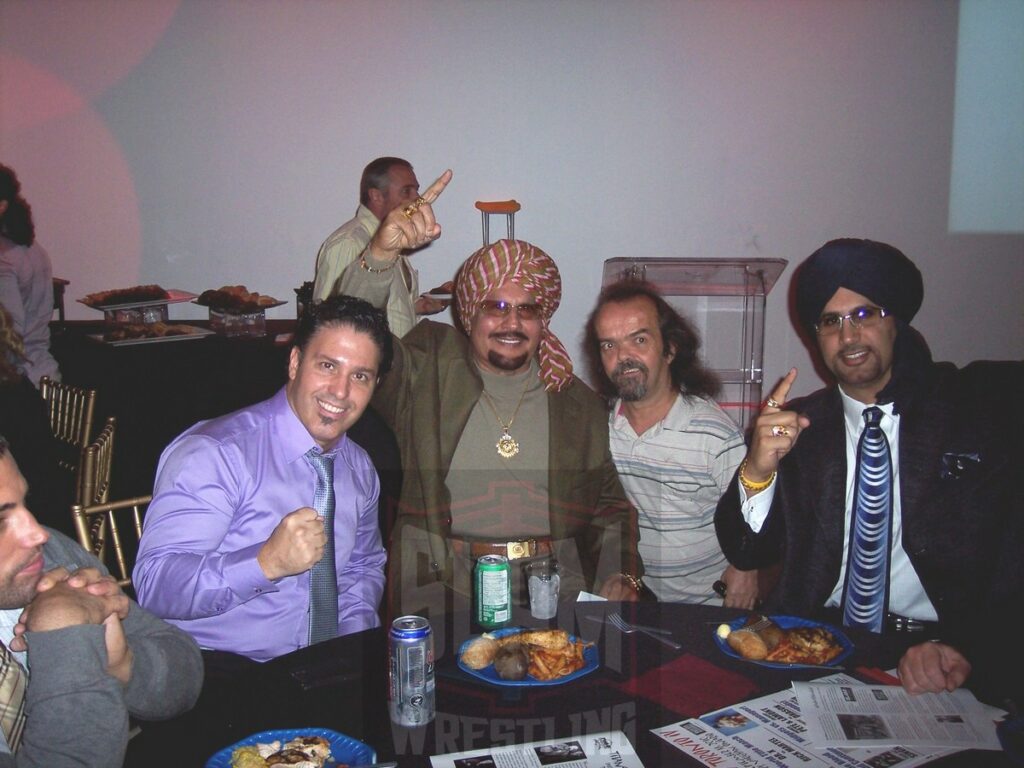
(748, 644)
(480, 652)
(758, 637)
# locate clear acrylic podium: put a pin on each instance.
(725, 300)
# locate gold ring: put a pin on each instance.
(409, 210)
(771, 402)
(779, 431)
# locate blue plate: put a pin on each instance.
(344, 749)
(789, 622)
(488, 675)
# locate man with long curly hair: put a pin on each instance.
(674, 447)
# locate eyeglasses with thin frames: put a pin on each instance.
(493, 308)
(831, 323)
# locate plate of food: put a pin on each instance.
(127, 334)
(321, 746)
(783, 642)
(236, 299)
(527, 657)
(136, 296)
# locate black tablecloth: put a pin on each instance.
(641, 684)
(158, 389)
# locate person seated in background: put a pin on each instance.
(26, 280)
(890, 498)
(263, 536)
(77, 657)
(26, 424)
(387, 183)
(675, 449)
(504, 451)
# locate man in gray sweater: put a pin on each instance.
(77, 657)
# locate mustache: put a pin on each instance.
(509, 335)
(620, 369)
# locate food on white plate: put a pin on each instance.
(137, 293)
(235, 298)
(301, 752)
(760, 638)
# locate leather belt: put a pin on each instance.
(513, 550)
(896, 623)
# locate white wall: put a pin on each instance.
(194, 144)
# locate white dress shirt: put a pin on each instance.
(906, 593)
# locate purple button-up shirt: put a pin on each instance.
(221, 489)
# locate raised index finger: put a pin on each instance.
(782, 390)
(434, 190)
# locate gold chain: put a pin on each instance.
(507, 445)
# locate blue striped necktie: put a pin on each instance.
(866, 595)
(323, 578)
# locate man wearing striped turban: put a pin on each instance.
(504, 451)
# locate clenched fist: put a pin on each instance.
(295, 545)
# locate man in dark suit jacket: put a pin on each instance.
(955, 552)
(548, 487)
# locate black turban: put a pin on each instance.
(875, 270)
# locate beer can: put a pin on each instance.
(492, 591)
(411, 671)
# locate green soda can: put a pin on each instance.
(492, 591)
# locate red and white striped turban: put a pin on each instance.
(516, 261)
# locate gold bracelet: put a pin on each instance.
(750, 485)
(374, 270)
(634, 582)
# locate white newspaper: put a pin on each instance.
(600, 750)
(861, 714)
(769, 732)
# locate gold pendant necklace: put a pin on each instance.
(507, 445)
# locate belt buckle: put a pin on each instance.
(904, 624)
(518, 549)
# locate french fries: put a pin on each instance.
(548, 663)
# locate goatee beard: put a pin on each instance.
(630, 389)
(503, 363)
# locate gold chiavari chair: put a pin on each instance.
(71, 414)
(121, 550)
(93, 484)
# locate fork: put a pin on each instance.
(622, 625)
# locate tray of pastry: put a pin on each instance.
(236, 300)
(127, 334)
(136, 296)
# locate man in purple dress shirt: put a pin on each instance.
(231, 535)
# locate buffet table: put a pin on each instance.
(639, 684)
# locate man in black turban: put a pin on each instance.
(939, 540)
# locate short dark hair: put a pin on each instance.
(348, 311)
(376, 175)
(678, 335)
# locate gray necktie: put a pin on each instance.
(323, 579)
